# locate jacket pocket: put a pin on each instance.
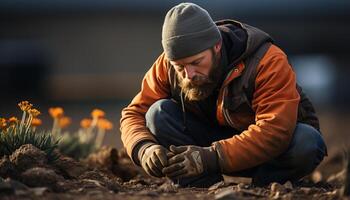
(239, 112)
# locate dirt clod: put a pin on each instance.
(41, 177)
(69, 167)
(28, 156)
(7, 169)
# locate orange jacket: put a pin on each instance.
(266, 133)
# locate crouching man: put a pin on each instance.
(221, 99)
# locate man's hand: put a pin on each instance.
(154, 159)
(189, 161)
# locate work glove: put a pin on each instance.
(189, 161)
(153, 159)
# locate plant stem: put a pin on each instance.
(100, 137)
(22, 121)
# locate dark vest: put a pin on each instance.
(241, 91)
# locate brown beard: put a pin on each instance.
(200, 87)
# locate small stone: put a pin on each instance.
(316, 177)
(305, 190)
(28, 156)
(242, 186)
(276, 195)
(227, 194)
(168, 187)
(39, 191)
(288, 186)
(94, 183)
(276, 187)
(217, 186)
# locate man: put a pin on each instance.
(221, 99)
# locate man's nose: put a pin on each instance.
(190, 72)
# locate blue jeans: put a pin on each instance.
(306, 150)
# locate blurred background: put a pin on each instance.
(87, 54)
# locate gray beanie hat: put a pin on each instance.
(187, 30)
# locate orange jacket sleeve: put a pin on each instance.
(275, 102)
(155, 86)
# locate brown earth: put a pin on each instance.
(110, 174)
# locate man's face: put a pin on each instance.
(199, 74)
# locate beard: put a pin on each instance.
(201, 86)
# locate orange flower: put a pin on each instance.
(85, 123)
(64, 122)
(34, 112)
(13, 120)
(56, 112)
(3, 123)
(36, 122)
(97, 113)
(104, 124)
(25, 105)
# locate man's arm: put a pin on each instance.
(275, 102)
(155, 86)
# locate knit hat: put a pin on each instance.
(188, 29)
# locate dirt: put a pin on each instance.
(110, 174)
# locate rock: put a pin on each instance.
(94, 175)
(305, 190)
(138, 180)
(92, 185)
(277, 190)
(7, 169)
(275, 195)
(28, 156)
(69, 167)
(39, 191)
(288, 186)
(316, 176)
(168, 187)
(217, 186)
(41, 177)
(227, 194)
(112, 183)
(276, 187)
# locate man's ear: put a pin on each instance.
(217, 46)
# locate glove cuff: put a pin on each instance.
(140, 149)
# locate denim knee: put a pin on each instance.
(159, 113)
(307, 148)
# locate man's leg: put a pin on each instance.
(165, 120)
(303, 155)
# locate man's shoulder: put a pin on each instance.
(274, 52)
